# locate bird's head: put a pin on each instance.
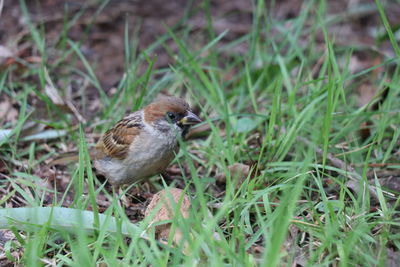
(170, 113)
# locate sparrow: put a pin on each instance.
(143, 143)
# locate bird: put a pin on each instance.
(143, 143)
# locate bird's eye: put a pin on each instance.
(171, 116)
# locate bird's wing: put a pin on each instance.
(116, 141)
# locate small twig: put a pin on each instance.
(335, 161)
(382, 165)
(384, 174)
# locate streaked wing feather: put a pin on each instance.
(117, 140)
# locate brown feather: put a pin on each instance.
(116, 141)
(70, 157)
(158, 109)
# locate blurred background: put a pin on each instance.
(100, 27)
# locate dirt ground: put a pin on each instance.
(101, 29)
(104, 46)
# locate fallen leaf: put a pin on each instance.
(32, 130)
(54, 96)
(65, 105)
(5, 52)
(45, 135)
(238, 172)
(366, 93)
(7, 111)
(165, 210)
(4, 133)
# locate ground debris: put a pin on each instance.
(165, 210)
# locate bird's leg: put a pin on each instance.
(150, 187)
(123, 200)
(165, 175)
(119, 196)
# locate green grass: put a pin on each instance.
(298, 206)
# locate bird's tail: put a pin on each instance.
(69, 157)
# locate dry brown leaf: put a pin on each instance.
(165, 210)
(53, 94)
(238, 172)
(75, 111)
(7, 111)
(366, 93)
(55, 97)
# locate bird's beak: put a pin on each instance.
(190, 119)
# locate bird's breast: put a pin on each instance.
(150, 154)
